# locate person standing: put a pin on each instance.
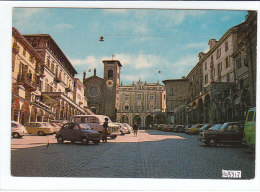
(104, 130)
(135, 128)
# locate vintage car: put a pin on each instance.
(194, 129)
(17, 129)
(228, 133)
(40, 128)
(128, 127)
(96, 123)
(123, 128)
(179, 128)
(77, 132)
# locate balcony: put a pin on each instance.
(16, 48)
(28, 84)
(57, 78)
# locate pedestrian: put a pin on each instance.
(135, 128)
(104, 130)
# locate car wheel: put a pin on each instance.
(60, 139)
(16, 135)
(96, 142)
(212, 142)
(84, 141)
(113, 136)
(41, 133)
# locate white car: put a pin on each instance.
(129, 127)
(123, 128)
(17, 129)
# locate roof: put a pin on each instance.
(70, 66)
(110, 61)
(164, 81)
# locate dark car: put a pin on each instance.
(179, 128)
(77, 132)
(187, 126)
(228, 133)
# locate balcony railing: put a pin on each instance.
(22, 79)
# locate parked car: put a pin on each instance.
(129, 127)
(123, 128)
(205, 127)
(194, 129)
(17, 129)
(56, 127)
(40, 128)
(96, 123)
(250, 128)
(166, 127)
(78, 132)
(160, 126)
(171, 128)
(187, 126)
(228, 133)
(179, 128)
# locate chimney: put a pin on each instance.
(201, 55)
(212, 42)
(95, 72)
(84, 76)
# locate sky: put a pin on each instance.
(145, 41)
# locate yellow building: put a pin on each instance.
(142, 102)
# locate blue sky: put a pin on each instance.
(144, 40)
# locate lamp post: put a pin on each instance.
(187, 118)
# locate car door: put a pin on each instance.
(226, 136)
(76, 133)
(237, 135)
(67, 131)
(94, 123)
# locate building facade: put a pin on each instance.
(103, 93)
(228, 77)
(142, 102)
(177, 92)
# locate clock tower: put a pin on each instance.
(111, 91)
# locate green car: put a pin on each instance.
(249, 128)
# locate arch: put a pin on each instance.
(200, 111)
(159, 119)
(33, 114)
(42, 43)
(207, 108)
(137, 119)
(124, 119)
(35, 42)
(110, 73)
(24, 113)
(149, 121)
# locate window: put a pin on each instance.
(219, 67)
(139, 96)
(24, 52)
(48, 62)
(171, 91)
(238, 63)
(218, 53)
(52, 66)
(151, 106)
(127, 97)
(206, 65)
(151, 96)
(93, 91)
(93, 120)
(250, 116)
(227, 62)
(241, 84)
(206, 78)
(138, 107)
(226, 46)
(126, 107)
(110, 73)
(246, 62)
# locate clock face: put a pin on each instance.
(110, 83)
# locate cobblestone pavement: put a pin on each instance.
(153, 154)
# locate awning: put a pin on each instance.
(16, 103)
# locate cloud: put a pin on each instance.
(62, 26)
(183, 66)
(22, 15)
(197, 45)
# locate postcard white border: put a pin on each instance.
(8, 182)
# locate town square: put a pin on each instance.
(106, 93)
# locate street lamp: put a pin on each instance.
(187, 119)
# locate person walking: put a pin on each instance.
(135, 128)
(104, 130)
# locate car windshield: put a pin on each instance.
(193, 126)
(84, 126)
(216, 127)
(223, 126)
(102, 119)
(204, 127)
